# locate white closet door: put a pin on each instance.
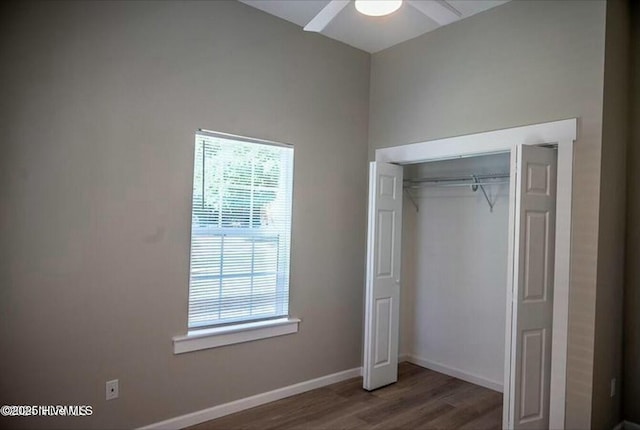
(382, 298)
(533, 288)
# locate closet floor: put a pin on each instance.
(421, 399)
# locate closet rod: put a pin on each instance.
(443, 180)
(465, 184)
(473, 181)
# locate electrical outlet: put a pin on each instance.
(613, 387)
(112, 389)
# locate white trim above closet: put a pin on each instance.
(488, 142)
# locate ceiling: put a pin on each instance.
(339, 20)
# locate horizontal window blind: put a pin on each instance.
(240, 231)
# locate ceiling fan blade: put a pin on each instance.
(438, 10)
(326, 15)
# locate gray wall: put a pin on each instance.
(606, 412)
(632, 282)
(99, 106)
(521, 63)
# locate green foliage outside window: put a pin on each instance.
(234, 184)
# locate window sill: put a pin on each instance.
(237, 333)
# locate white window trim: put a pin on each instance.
(196, 340)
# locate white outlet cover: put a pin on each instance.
(613, 387)
(112, 389)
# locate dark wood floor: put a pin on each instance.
(421, 399)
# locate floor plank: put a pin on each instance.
(421, 399)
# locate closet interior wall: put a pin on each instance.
(454, 257)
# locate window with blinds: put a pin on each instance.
(240, 230)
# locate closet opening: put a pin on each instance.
(468, 265)
(453, 295)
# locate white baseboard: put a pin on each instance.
(456, 373)
(628, 425)
(218, 411)
(619, 426)
(402, 357)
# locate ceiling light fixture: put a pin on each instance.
(377, 7)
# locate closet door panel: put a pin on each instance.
(532, 288)
(382, 296)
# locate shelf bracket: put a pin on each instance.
(415, 205)
(475, 186)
